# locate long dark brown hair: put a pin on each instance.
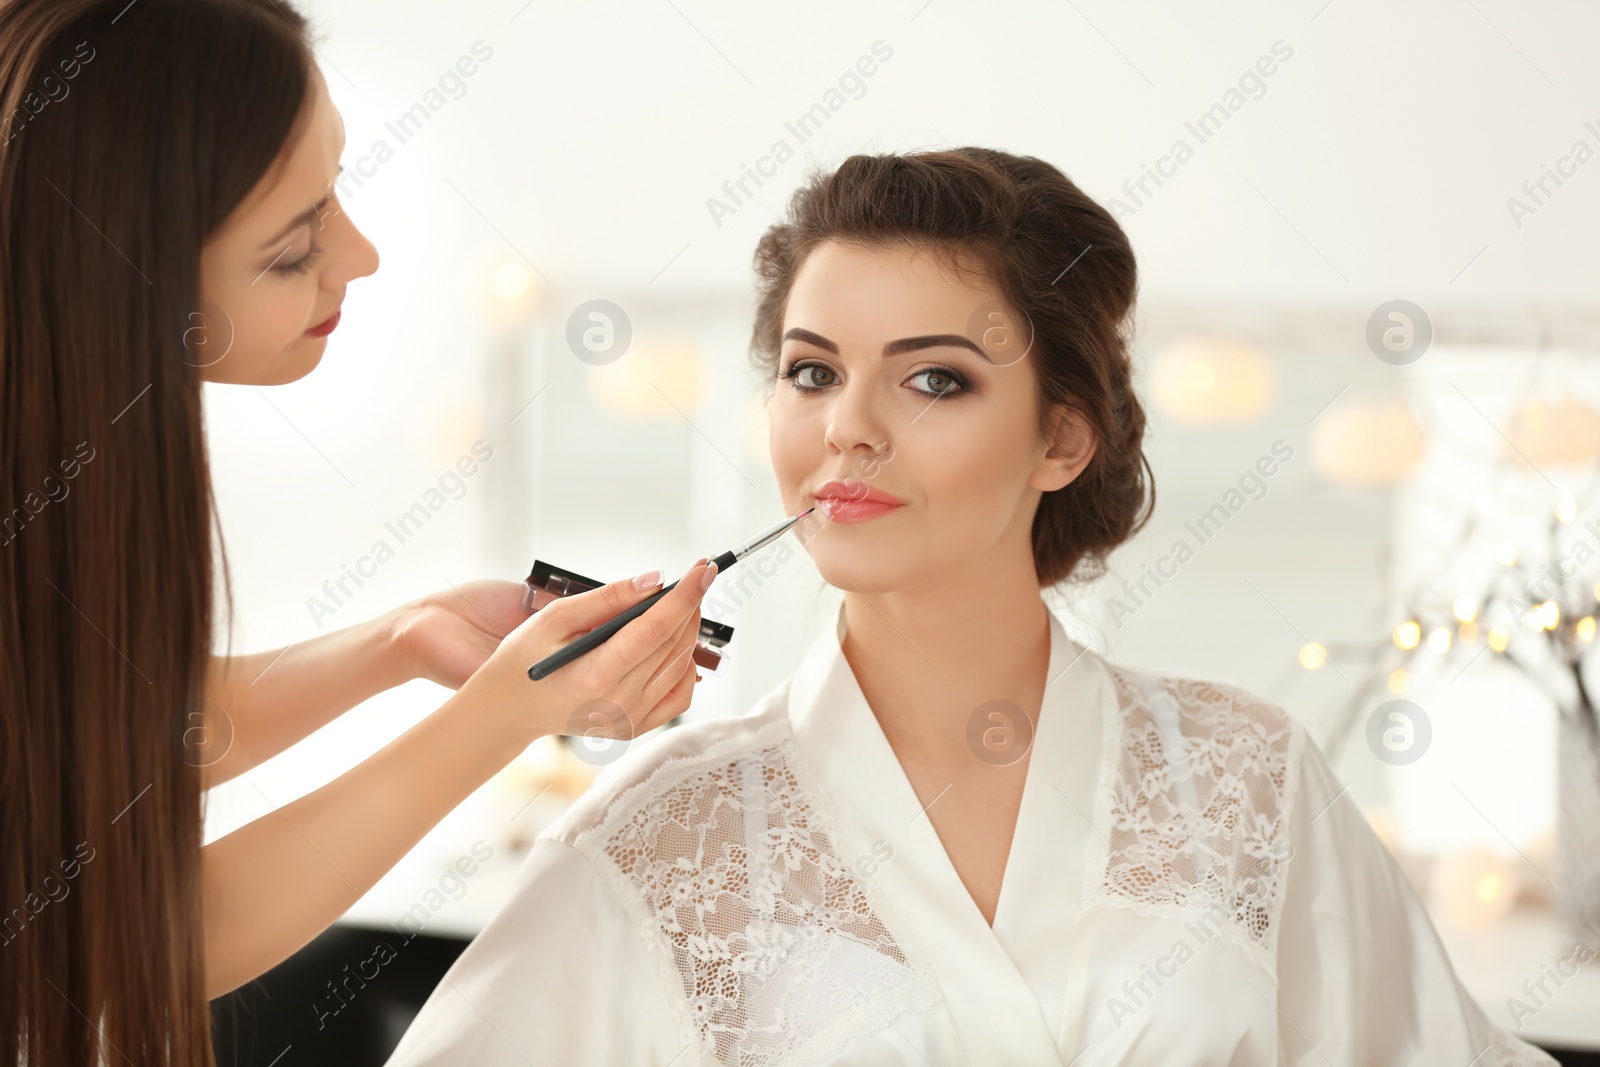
(1056, 255)
(128, 132)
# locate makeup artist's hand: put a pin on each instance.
(641, 678)
(446, 636)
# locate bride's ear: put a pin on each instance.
(1071, 446)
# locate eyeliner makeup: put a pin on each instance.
(606, 630)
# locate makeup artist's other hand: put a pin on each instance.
(446, 636)
(641, 678)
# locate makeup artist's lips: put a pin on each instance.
(324, 328)
(854, 501)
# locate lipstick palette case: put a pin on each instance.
(549, 583)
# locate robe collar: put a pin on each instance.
(989, 976)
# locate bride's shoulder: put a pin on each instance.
(1202, 782)
(1159, 699)
(700, 756)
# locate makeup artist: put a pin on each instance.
(168, 216)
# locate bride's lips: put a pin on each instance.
(324, 328)
(854, 501)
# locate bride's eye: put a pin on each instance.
(804, 376)
(941, 381)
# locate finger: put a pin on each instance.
(658, 625)
(543, 632)
(671, 695)
(683, 641)
(669, 674)
(624, 681)
(582, 612)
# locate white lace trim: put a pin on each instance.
(1512, 1051)
(1197, 783)
(740, 883)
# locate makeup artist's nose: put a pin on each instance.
(355, 256)
(854, 426)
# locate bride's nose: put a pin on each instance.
(855, 424)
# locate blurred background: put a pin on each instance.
(1367, 241)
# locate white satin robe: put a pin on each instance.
(1188, 884)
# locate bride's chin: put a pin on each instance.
(860, 572)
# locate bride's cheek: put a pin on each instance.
(791, 445)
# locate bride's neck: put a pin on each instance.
(938, 651)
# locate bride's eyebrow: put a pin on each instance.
(890, 348)
(938, 340)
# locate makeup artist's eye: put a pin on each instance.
(299, 266)
(799, 374)
(943, 381)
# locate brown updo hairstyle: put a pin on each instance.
(1055, 255)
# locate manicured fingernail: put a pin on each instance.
(708, 577)
(648, 580)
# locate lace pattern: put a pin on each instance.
(735, 875)
(1197, 783)
(1512, 1051)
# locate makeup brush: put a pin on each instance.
(602, 633)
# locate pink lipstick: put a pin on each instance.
(852, 500)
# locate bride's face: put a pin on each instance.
(908, 420)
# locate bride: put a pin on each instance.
(956, 836)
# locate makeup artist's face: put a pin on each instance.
(887, 386)
(274, 273)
